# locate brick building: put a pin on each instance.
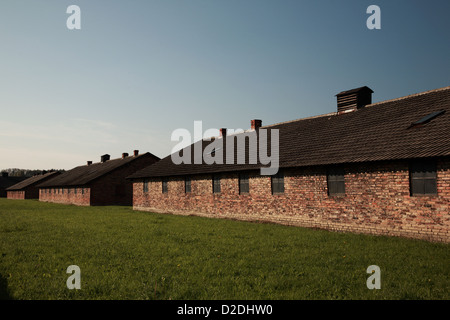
(93, 184)
(377, 168)
(7, 181)
(27, 189)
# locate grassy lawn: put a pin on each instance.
(126, 254)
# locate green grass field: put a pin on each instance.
(126, 254)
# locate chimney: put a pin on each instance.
(223, 132)
(124, 155)
(89, 163)
(352, 100)
(4, 174)
(256, 124)
(104, 158)
(136, 153)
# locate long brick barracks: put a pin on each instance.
(377, 168)
(381, 168)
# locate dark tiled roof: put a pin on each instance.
(83, 175)
(32, 181)
(380, 131)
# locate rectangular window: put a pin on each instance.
(216, 183)
(423, 177)
(336, 182)
(75, 190)
(187, 184)
(165, 187)
(243, 183)
(278, 182)
(145, 186)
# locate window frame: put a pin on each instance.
(187, 184)
(145, 186)
(277, 183)
(244, 183)
(336, 182)
(165, 185)
(420, 176)
(216, 183)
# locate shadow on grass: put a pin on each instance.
(4, 292)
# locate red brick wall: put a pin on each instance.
(76, 195)
(17, 195)
(377, 200)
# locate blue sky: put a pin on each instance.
(137, 70)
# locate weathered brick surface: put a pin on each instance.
(377, 200)
(77, 196)
(17, 195)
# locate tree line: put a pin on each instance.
(16, 172)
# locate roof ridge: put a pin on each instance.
(270, 125)
(115, 159)
(300, 119)
(31, 180)
(369, 105)
(72, 176)
(409, 96)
